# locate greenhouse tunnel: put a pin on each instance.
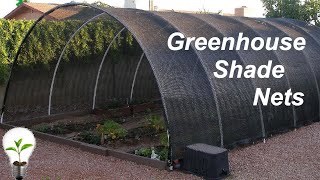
(101, 55)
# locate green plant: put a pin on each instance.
(145, 152)
(90, 137)
(156, 122)
(17, 149)
(42, 128)
(112, 129)
(163, 153)
(101, 4)
(308, 10)
(4, 72)
(62, 128)
(100, 130)
(164, 139)
(312, 11)
(46, 38)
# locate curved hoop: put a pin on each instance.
(62, 53)
(135, 76)
(100, 67)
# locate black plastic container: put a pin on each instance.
(210, 162)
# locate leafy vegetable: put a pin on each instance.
(112, 129)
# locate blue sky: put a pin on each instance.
(191, 5)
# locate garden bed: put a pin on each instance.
(139, 130)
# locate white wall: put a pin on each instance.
(139, 4)
(129, 4)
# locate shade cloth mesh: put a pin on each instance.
(198, 108)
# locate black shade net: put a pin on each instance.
(100, 56)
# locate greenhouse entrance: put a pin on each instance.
(89, 72)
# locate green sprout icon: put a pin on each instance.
(17, 149)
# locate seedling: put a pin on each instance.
(17, 149)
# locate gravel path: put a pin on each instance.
(294, 155)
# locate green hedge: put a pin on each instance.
(46, 42)
(11, 35)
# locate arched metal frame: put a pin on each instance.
(311, 36)
(61, 55)
(276, 24)
(52, 84)
(190, 96)
(212, 84)
(134, 77)
(100, 67)
(308, 60)
(276, 57)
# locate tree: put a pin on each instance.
(308, 10)
(101, 4)
(19, 2)
(312, 11)
(283, 8)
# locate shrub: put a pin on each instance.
(42, 128)
(89, 137)
(4, 72)
(156, 122)
(60, 128)
(46, 38)
(112, 129)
